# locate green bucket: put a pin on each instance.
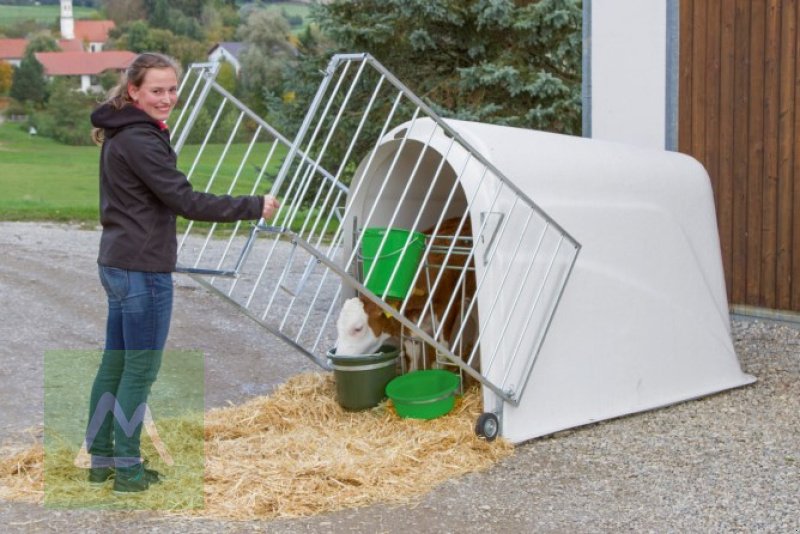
(393, 253)
(361, 379)
(423, 394)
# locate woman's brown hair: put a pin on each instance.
(118, 96)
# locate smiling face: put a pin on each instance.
(158, 93)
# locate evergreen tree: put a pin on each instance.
(501, 61)
(29, 84)
(158, 13)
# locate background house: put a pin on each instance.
(80, 42)
(93, 34)
(227, 51)
(86, 66)
(717, 80)
(12, 50)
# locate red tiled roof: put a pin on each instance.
(77, 63)
(15, 48)
(12, 48)
(93, 31)
(70, 45)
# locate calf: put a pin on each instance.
(363, 326)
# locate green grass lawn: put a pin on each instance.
(44, 180)
(10, 15)
(41, 180)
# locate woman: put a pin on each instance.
(141, 192)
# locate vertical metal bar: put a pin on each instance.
(463, 142)
(369, 216)
(390, 225)
(318, 127)
(470, 202)
(354, 193)
(329, 254)
(231, 187)
(206, 138)
(420, 209)
(196, 161)
(349, 151)
(186, 103)
(527, 322)
(334, 125)
(444, 209)
(518, 294)
(238, 225)
(586, 79)
(196, 111)
(672, 66)
(301, 133)
(312, 167)
(213, 177)
(485, 275)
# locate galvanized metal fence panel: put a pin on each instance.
(369, 154)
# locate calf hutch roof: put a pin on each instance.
(79, 63)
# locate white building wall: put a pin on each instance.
(629, 71)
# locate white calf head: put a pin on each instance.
(354, 333)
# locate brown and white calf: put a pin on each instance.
(362, 326)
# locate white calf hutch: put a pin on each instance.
(598, 285)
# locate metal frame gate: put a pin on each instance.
(406, 168)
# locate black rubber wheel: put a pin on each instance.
(488, 426)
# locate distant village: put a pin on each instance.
(82, 55)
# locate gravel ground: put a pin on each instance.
(729, 462)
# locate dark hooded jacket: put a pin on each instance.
(142, 191)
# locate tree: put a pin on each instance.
(138, 36)
(212, 22)
(181, 17)
(122, 11)
(6, 75)
(28, 83)
(507, 62)
(41, 42)
(66, 117)
(133, 36)
(267, 54)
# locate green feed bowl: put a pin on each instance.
(423, 394)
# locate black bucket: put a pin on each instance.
(361, 379)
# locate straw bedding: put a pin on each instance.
(293, 453)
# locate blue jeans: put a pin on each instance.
(139, 312)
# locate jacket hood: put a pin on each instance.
(112, 120)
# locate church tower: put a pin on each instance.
(67, 22)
